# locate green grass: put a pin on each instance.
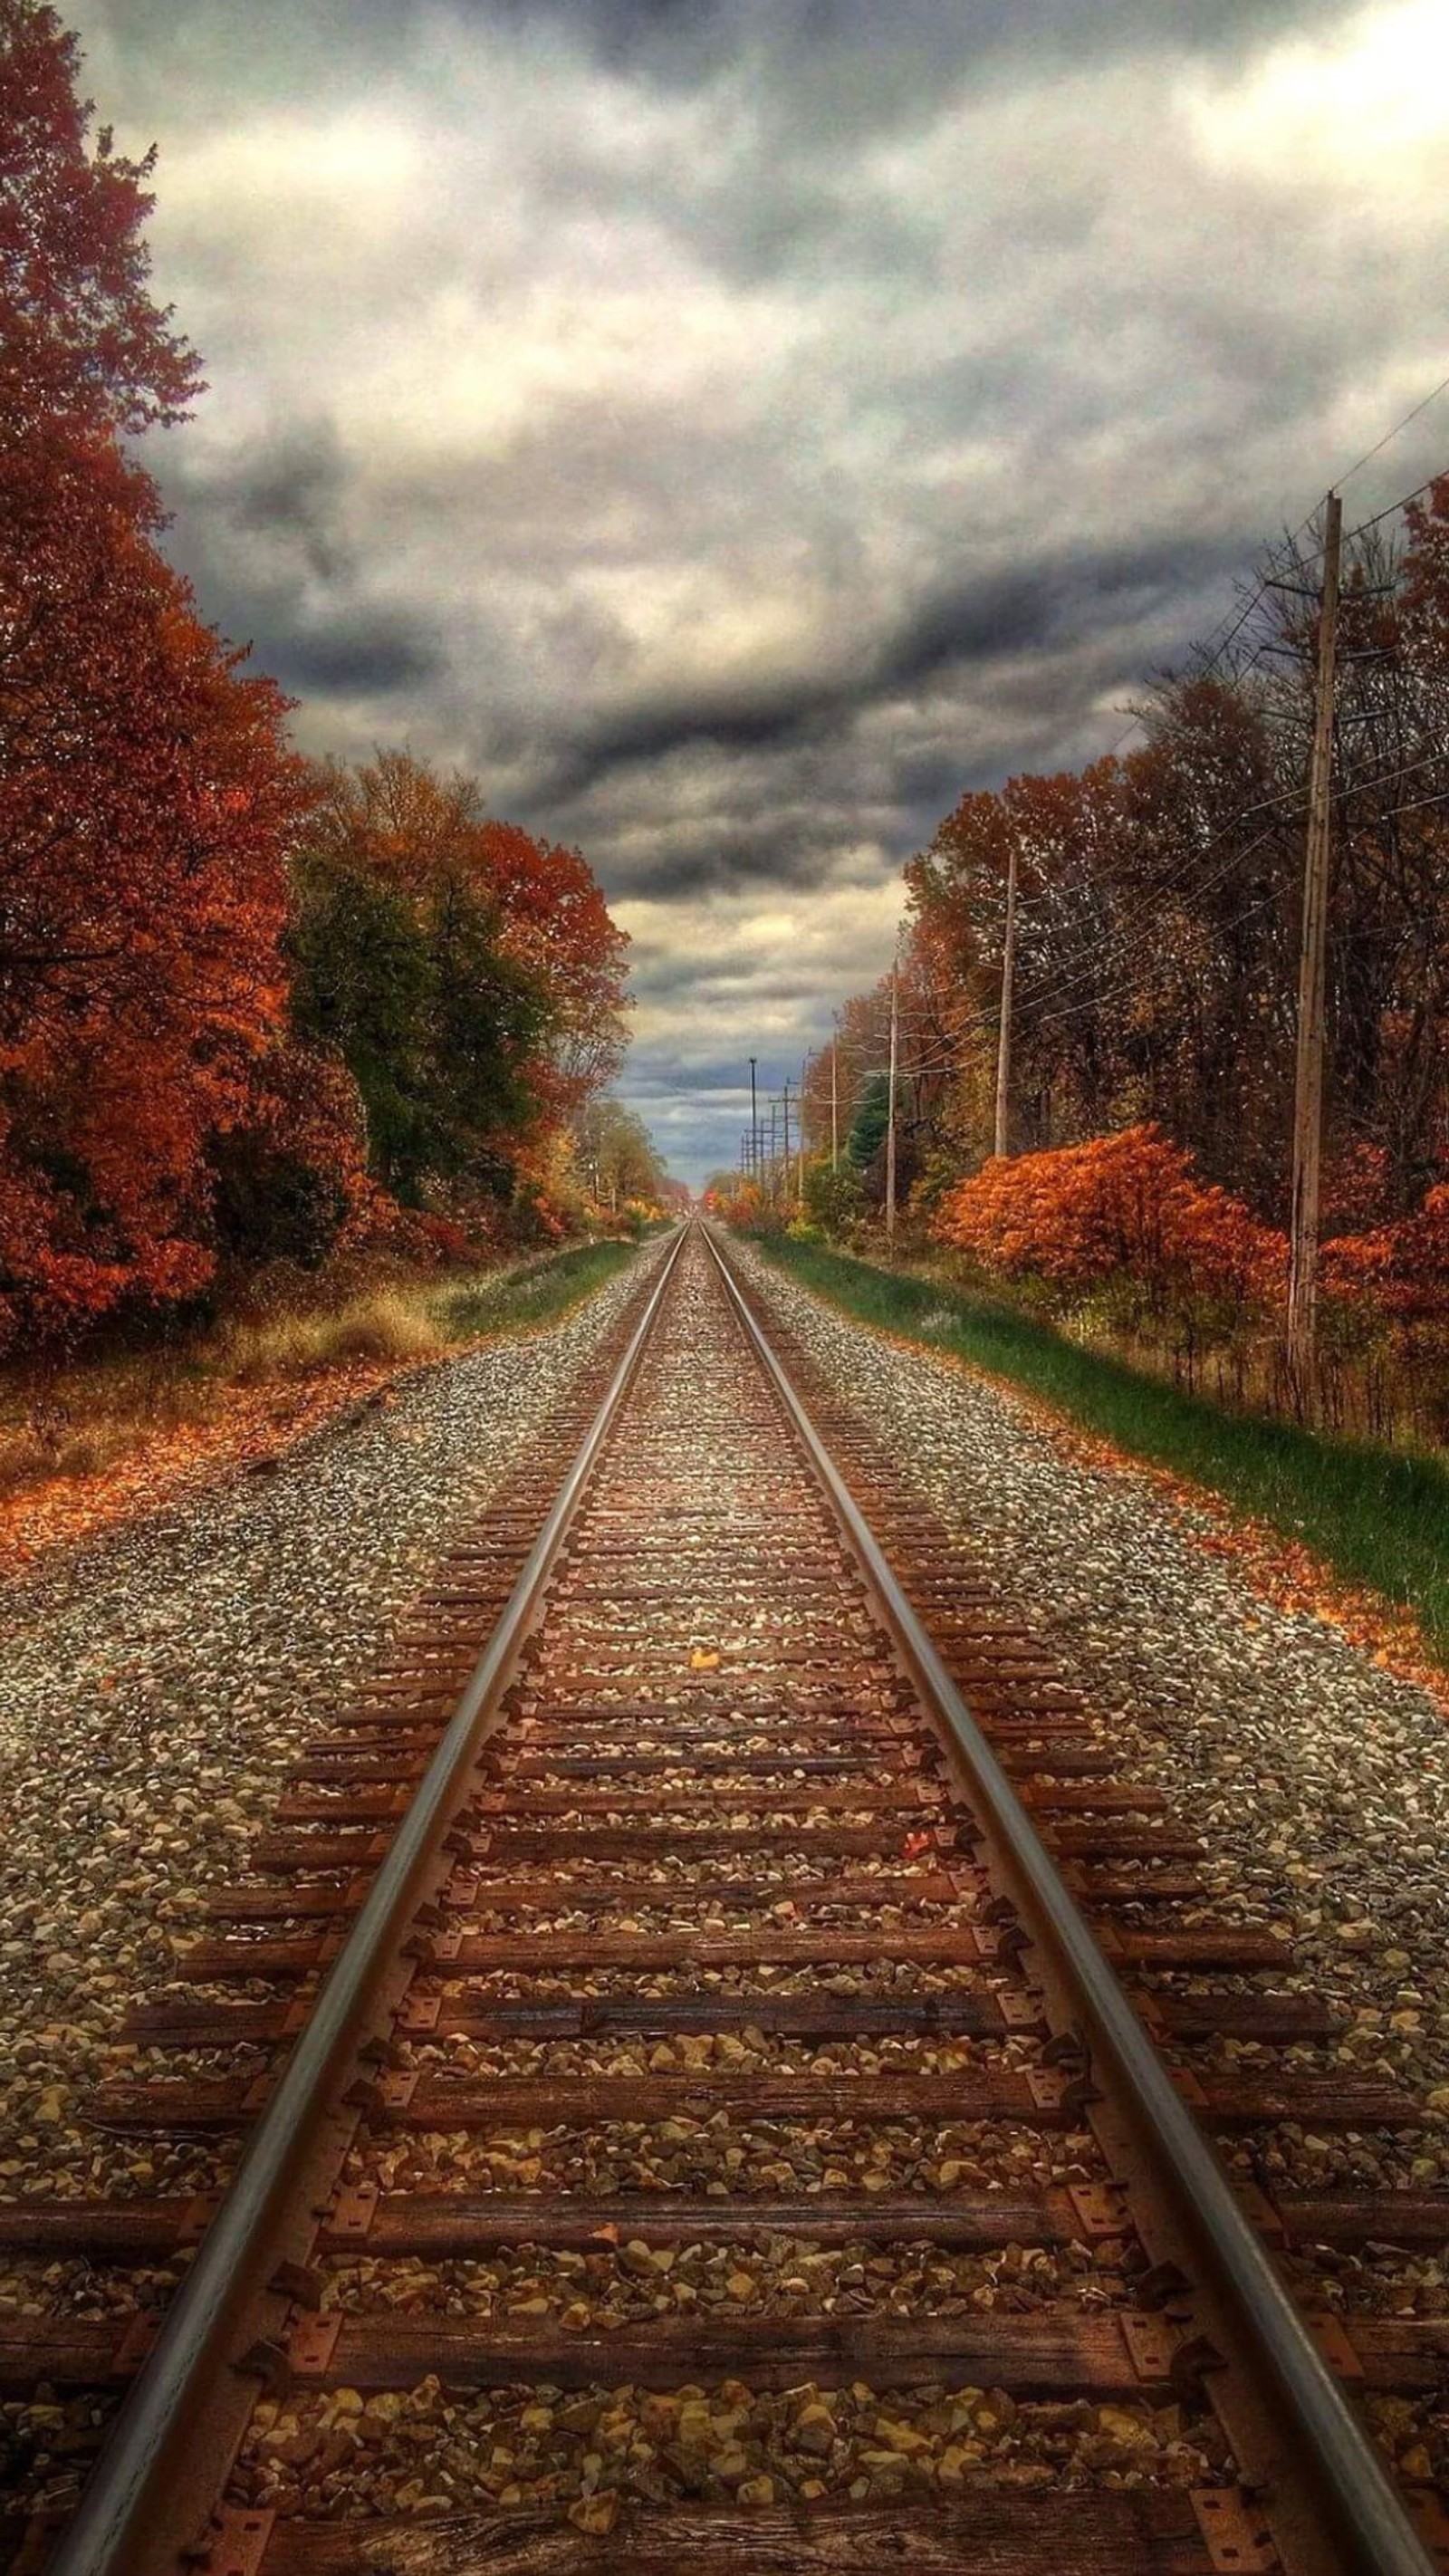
(1379, 1517)
(521, 1300)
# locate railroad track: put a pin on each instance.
(713, 2067)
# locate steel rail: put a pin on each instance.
(1367, 2515)
(124, 2524)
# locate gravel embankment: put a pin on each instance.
(158, 1681)
(1320, 1781)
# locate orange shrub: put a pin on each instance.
(1401, 1268)
(1123, 1207)
(746, 1208)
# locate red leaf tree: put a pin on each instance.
(1127, 1207)
(146, 791)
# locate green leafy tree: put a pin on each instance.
(618, 1156)
(868, 1133)
(833, 1197)
(436, 1024)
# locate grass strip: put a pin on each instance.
(521, 1300)
(1378, 1516)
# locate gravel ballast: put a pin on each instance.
(159, 1680)
(1319, 1780)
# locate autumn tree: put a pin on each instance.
(1159, 898)
(84, 349)
(557, 926)
(290, 1178)
(146, 791)
(619, 1158)
(469, 975)
(407, 825)
(410, 987)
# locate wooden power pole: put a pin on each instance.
(785, 1175)
(1312, 976)
(890, 1206)
(800, 1142)
(754, 1130)
(835, 1104)
(1003, 1033)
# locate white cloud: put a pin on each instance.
(734, 448)
(1366, 103)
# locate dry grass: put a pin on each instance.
(80, 1421)
(393, 1324)
(103, 1418)
(29, 1458)
(93, 1441)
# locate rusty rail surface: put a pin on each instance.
(1313, 2435)
(872, 1720)
(136, 2509)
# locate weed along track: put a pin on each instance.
(677, 2113)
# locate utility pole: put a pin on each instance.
(890, 1206)
(835, 1103)
(800, 1157)
(1312, 973)
(786, 1188)
(1003, 1034)
(774, 1176)
(754, 1127)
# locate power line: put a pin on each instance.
(1160, 886)
(1058, 982)
(1061, 980)
(1390, 434)
(1393, 508)
(1215, 652)
(1134, 983)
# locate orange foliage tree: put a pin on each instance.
(1124, 1208)
(1397, 1277)
(557, 926)
(146, 792)
(290, 1178)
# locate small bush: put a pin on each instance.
(24, 1460)
(387, 1326)
(383, 1324)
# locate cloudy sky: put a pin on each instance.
(734, 427)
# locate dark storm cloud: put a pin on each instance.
(735, 429)
(878, 58)
(948, 632)
(367, 660)
(942, 637)
(292, 488)
(1078, 592)
(915, 42)
(266, 534)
